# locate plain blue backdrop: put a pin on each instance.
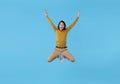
(27, 39)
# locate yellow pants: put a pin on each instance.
(62, 51)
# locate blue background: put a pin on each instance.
(27, 39)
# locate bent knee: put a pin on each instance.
(72, 60)
(49, 60)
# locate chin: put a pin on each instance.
(61, 28)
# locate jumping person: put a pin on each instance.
(61, 35)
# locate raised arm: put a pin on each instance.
(49, 20)
(74, 22)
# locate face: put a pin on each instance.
(61, 26)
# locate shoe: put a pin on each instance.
(61, 58)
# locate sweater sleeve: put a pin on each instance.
(51, 23)
(74, 22)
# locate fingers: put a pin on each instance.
(78, 13)
(45, 12)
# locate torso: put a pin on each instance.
(61, 37)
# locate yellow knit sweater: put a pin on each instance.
(61, 36)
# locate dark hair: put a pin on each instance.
(63, 23)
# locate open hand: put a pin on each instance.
(78, 14)
(45, 12)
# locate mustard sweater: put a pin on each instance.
(61, 36)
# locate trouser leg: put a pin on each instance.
(54, 55)
(68, 55)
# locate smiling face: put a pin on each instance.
(61, 25)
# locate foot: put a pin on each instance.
(61, 58)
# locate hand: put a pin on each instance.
(78, 14)
(45, 12)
